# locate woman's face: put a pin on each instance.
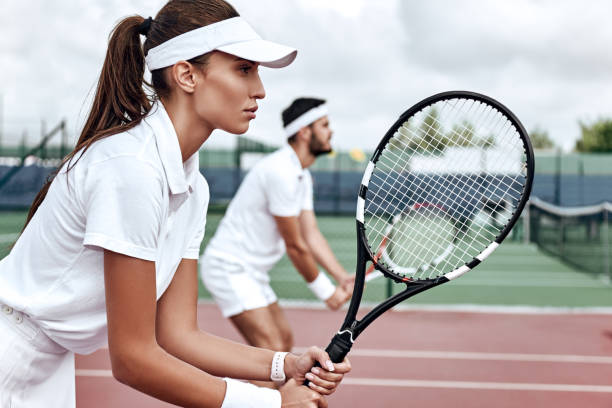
(226, 97)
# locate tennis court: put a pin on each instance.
(491, 338)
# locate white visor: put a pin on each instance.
(233, 36)
(306, 119)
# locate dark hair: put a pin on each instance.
(297, 108)
(120, 101)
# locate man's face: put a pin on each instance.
(321, 137)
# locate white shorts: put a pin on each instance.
(34, 370)
(235, 287)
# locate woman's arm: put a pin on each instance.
(137, 359)
(178, 333)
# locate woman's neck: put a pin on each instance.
(191, 131)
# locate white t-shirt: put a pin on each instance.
(276, 186)
(128, 193)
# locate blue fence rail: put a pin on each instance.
(335, 191)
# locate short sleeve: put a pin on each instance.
(283, 194)
(308, 192)
(193, 250)
(123, 201)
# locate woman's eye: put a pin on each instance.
(245, 69)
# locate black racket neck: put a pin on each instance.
(362, 256)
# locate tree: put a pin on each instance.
(430, 134)
(404, 139)
(540, 140)
(596, 137)
(462, 135)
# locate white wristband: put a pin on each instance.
(322, 287)
(240, 394)
(277, 371)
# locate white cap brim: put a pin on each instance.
(233, 36)
(267, 53)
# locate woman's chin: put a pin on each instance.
(238, 129)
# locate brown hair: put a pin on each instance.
(120, 101)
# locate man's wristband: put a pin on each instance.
(322, 287)
(240, 394)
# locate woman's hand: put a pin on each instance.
(322, 379)
(299, 396)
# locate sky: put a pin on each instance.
(549, 61)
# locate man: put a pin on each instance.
(271, 212)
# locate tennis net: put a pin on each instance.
(580, 236)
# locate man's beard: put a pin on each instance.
(317, 147)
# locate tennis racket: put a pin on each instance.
(442, 190)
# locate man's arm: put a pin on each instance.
(303, 259)
(322, 252)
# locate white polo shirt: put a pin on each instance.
(129, 193)
(276, 186)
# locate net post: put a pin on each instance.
(557, 191)
(606, 244)
(527, 223)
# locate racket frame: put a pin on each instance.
(351, 327)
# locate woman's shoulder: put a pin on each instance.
(136, 145)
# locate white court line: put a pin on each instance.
(452, 308)
(467, 355)
(548, 282)
(382, 382)
(5, 238)
(93, 373)
(461, 355)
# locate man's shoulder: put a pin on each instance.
(275, 163)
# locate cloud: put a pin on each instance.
(547, 60)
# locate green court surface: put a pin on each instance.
(517, 274)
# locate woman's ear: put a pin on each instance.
(183, 74)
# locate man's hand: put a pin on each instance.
(339, 297)
(348, 284)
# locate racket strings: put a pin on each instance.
(399, 179)
(459, 227)
(445, 189)
(410, 227)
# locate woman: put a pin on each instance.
(110, 246)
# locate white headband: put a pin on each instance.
(306, 119)
(233, 36)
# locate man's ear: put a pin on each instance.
(305, 134)
(183, 74)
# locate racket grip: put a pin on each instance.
(337, 349)
(339, 346)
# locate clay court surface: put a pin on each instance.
(432, 358)
(522, 330)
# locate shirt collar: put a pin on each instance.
(181, 176)
(294, 158)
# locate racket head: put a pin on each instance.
(459, 151)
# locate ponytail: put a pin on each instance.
(120, 101)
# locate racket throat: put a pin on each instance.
(340, 345)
